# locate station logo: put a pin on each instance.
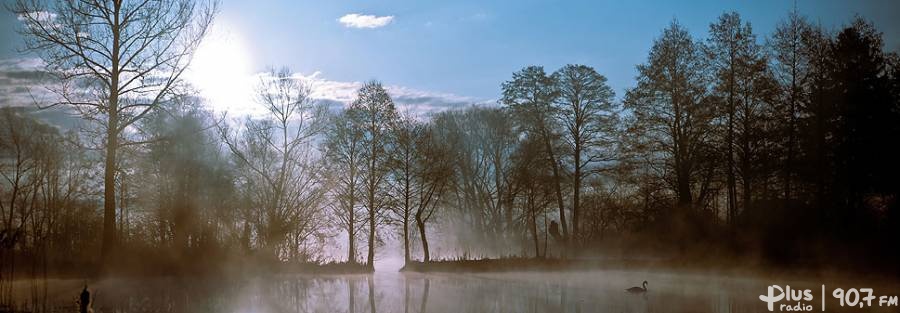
(795, 300)
(789, 299)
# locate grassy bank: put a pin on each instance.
(515, 264)
(716, 266)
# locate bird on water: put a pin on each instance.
(638, 289)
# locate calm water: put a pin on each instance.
(596, 291)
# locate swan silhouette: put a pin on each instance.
(638, 289)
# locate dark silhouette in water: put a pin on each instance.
(638, 289)
(84, 301)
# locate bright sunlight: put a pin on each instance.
(222, 71)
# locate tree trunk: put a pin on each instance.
(370, 258)
(112, 146)
(576, 191)
(351, 220)
(534, 234)
(558, 189)
(109, 183)
(729, 142)
(746, 170)
(406, 210)
(683, 182)
(351, 251)
(406, 238)
(792, 125)
(421, 225)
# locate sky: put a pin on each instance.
(450, 53)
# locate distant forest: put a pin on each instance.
(774, 148)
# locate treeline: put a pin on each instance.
(777, 147)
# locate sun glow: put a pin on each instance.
(222, 71)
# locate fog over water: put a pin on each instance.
(748, 166)
(389, 291)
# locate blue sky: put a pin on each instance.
(468, 48)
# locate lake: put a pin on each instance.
(390, 291)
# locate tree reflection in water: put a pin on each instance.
(411, 292)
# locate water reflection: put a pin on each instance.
(399, 292)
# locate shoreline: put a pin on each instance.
(731, 268)
(556, 265)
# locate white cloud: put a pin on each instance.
(22, 82)
(355, 20)
(38, 16)
(415, 101)
(339, 94)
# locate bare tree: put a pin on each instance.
(532, 175)
(376, 112)
(420, 171)
(671, 115)
(742, 82)
(734, 57)
(32, 190)
(183, 177)
(431, 174)
(791, 67)
(482, 142)
(530, 94)
(277, 156)
(586, 109)
(344, 155)
(116, 61)
(405, 133)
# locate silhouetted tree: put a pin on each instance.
(186, 178)
(277, 161)
(376, 113)
(432, 173)
(744, 84)
(728, 42)
(481, 141)
(117, 61)
(534, 179)
(791, 68)
(406, 134)
(530, 95)
(867, 120)
(586, 109)
(672, 112)
(344, 155)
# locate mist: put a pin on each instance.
(736, 162)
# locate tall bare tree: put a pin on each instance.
(432, 172)
(530, 94)
(671, 110)
(376, 113)
(483, 141)
(116, 61)
(25, 145)
(587, 113)
(344, 155)
(278, 158)
(727, 45)
(534, 181)
(791, 67)
(744, 84)
(405, 133)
